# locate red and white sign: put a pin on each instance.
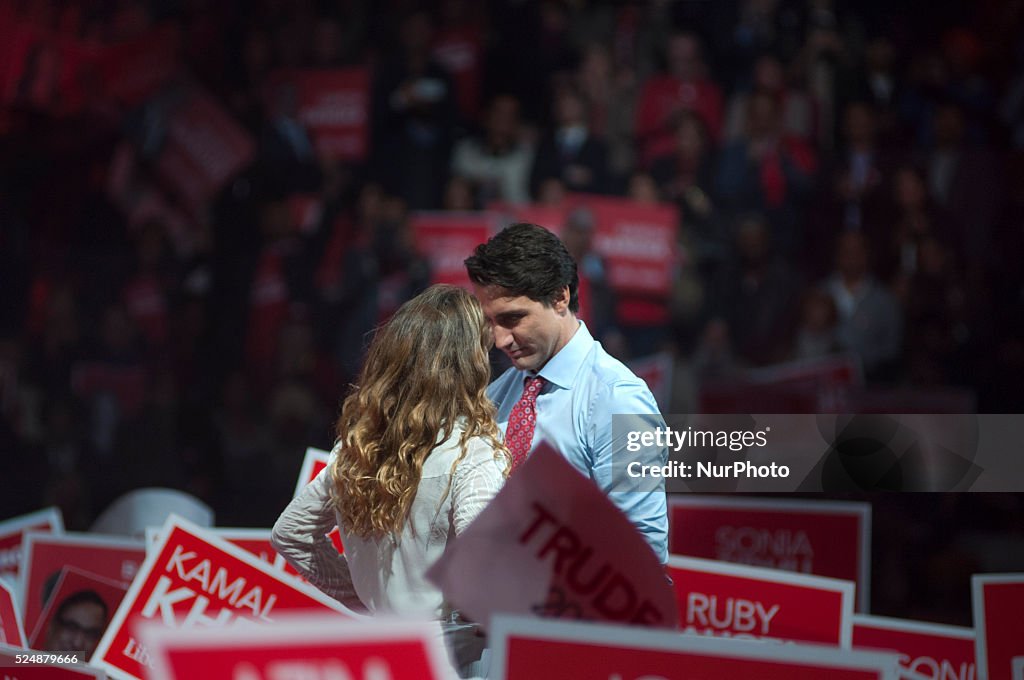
(926, 650)
(447, 239)
(110, 557)
(203, 150)
(734, 600)
(821, 537)
(193, 578)
(334, 106)
(556, 547)
(12, 532)
(300, 647)
(527, 649)
(638, 241)
(71, 582)
(11, 631)
(14, 669)
(998, 600)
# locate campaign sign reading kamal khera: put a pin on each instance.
(998, 600)
(192, 578)
(301, 647)
(826, 538)
(525, 649)
(733, 600)
(552, 544)
(926, 650)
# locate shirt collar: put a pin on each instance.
(562, 368)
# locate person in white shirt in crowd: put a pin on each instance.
(418, 456)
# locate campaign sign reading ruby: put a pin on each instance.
(733, 600)
(826, 538)
(306, 646)
(526, 649)
(11, 631)
(998, 600)
(193, 578)
(12, 532)
(926, 650)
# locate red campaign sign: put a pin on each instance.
(334, 106)
(447, 239)
(998, 600)
(638, 241)
(733, 600)
(111, 557)
(527, 649)
(825, 538)
(11, 631)
(301, 646)
(926, 650)
(656, 371)
(559, 548)
(193, 578)
(12, 532)
(12, 668)
(72, 582)
(253, 541)
(203, 150)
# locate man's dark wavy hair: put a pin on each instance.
(528, 260)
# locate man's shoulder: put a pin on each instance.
(608, 371)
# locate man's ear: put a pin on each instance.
(561, 303)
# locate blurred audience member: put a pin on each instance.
(498, 161)
(571, 151)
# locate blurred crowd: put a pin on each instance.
(849, 176)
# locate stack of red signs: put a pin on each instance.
(926, 650)
(193, 578)
(527, 649)
(998, 600)
(825, 538)
(732, 600)
(12, 632)
(300, 647)
(112, 558)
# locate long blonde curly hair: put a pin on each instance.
(426, 368)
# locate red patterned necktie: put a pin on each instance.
(522, 421)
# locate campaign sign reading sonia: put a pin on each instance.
(826, 538)
(556, 547)
(301, 646)
(926, 650)
(734, 600)
(193, 578)
(11, 631)
(13, 530)
(997, 600)
(45, 555)
(527, 649)
(447, 239)
(20, 664)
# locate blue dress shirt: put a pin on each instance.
(584, 387)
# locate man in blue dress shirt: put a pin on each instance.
(526, 282)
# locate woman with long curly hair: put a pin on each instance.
(418, 456)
